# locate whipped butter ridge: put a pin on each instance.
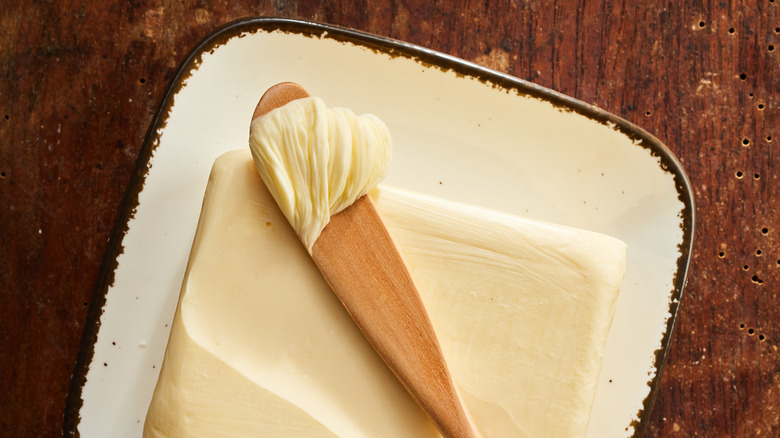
(317, 161)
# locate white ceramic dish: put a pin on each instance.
(460, 131)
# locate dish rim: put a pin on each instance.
(393, 48)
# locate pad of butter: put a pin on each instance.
(260, 346)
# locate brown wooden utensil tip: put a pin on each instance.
(277, 96)
(360, 262)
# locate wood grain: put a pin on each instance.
(82, 80)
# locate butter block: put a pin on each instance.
(260, 346)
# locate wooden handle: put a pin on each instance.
(359, 260)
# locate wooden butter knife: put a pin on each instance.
(361, 263)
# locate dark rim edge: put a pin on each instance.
(392, 47)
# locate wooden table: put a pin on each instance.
(82, 80)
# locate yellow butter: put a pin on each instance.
(260, 346)
(317, 161)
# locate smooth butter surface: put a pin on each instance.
(261, 347)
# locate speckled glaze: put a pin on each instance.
(460, 131)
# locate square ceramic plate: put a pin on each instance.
(460, 131)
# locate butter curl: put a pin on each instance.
(316, 161)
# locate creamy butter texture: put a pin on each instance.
(260, 346)
(317, 161)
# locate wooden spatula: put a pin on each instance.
(361, 263)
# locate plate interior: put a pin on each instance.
(459, 131)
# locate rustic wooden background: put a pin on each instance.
(81, 81)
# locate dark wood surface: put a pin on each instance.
(82, 80)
